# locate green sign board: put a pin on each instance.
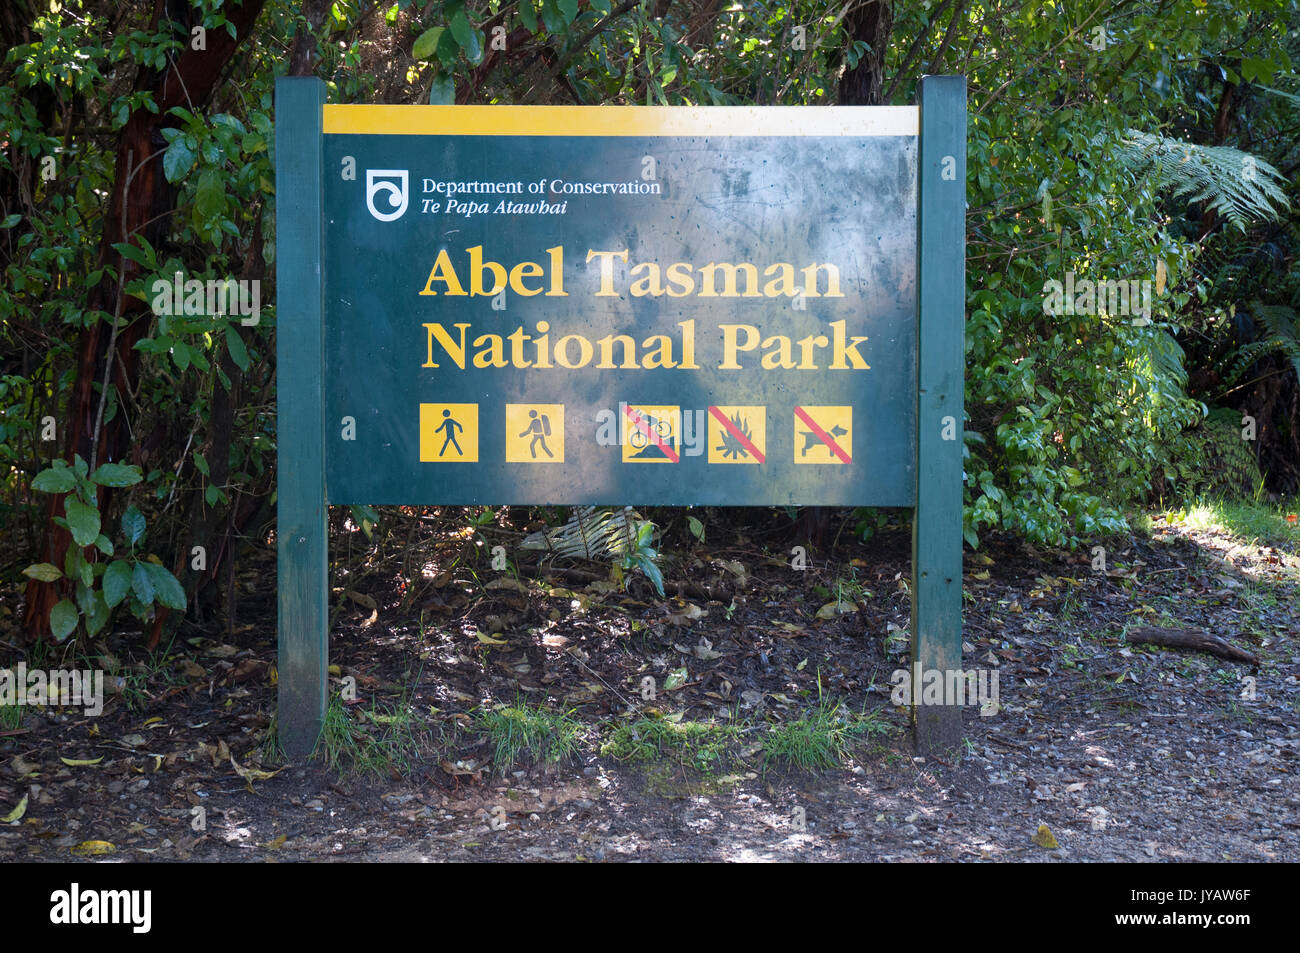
(613, 305)
(526, 307)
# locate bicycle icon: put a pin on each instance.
(662, 428)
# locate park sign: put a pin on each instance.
(618, 305)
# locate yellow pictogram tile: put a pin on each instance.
(823, 435)
(449, 433)
(652, 434)
(737, 434)
(534, 433)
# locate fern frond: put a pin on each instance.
(1236, 185)
(1283, 326)
(589, 534)
(1244, 357)
(1167, 358)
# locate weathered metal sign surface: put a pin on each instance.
(588, 305)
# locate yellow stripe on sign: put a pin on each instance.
(621, 120)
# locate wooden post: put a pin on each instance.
(941, 311)
(301, 538)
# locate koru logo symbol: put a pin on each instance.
(397, 196)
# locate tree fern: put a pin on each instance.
(1236, 185)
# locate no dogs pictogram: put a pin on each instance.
(823, 435)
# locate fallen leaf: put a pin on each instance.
(833, 609)
(705, 650)
(688, 613)
(676, 679)
(93, 848)
(16, 814)
(81, 762)
(1045, 838)
(488, 640)
(252, 774)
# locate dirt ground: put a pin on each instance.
(1124, 751)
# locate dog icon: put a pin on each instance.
(811, 440)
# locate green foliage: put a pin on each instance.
(521, 731)
(382, 741)
(697, 744)
(819, 740)
(140, 580)
(1213, 458)
(1241, 187)
(1281, 326)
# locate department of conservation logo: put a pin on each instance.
(396, 193)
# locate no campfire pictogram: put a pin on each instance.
(737, 434)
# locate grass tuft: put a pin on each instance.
(820, 740)
(519, 731)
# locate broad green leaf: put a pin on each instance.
(235, 344)
(647, 566)
(443, 91)
(142, 582)
(83, 521)
(569, 8)
(167, 589)
(141, 256)
(470, 40)
(133, 524)
(210, 194)
(426, 43)
(85, 597)
(528, 15)
(201, 462)
(177, 160)
(55, 480)
(116, 474)
(104, 544)
(45, 572)
(63, 619)
(552, 19)
(117, 581)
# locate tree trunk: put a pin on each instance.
(864, 84)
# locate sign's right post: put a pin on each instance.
(941, 310)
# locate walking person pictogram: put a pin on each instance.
(540, 429)
(449, 424)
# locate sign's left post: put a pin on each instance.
(301, 510)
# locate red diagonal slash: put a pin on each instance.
(822, 435)
(732, 429)
(637, 419)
